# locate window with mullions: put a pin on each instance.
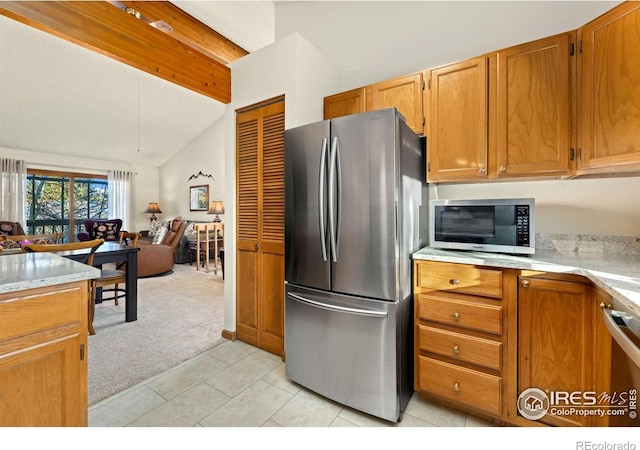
(62, 201)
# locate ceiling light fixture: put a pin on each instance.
(133, 12)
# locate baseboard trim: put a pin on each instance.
(230, 335)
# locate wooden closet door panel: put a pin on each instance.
(248, 226)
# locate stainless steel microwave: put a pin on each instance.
(488, 225)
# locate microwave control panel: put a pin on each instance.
(522, 225)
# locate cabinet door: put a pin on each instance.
(404, 93)
(344, 103)
(260, 240)
(457, 124)
(555, 341)
(44, 385)
(610, 99)
(534, 132)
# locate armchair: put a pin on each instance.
(107, 229)
(156, 259)
(10, 228)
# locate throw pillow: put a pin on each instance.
(106, 230)
(158, 237)
(157, 225)
(8, 243)
(190, 228)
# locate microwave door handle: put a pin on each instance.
(631, 350)
(322, 206)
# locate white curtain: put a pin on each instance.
(121, 197)
(13, 185)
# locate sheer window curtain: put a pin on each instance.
(13, 184)
(120, 183)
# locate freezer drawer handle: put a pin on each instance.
(344, 309)
(631, 350)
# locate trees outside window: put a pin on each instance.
(62, 201)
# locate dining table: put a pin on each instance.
(113, 252)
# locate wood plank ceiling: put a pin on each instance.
(156, 37)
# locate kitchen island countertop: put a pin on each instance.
(618, 275)
(23, 271)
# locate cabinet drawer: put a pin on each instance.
(483, 352)
(459, 312)
(469, 387)
(21, 315)
(459, 278)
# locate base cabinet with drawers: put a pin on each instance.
(462, 336)
(484, 335)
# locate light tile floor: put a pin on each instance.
(234, 385)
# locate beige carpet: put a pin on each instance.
(179, 316)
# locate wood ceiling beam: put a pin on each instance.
(104, 28)
(188, 30)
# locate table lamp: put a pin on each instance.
(153, 208)
(217, 207)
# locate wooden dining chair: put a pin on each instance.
(113, 277)
(93, 245)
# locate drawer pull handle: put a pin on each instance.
(456, 386)
(456, 349)
(456, 316)
(454, 281)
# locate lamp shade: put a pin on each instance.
(217, 207)
(153, 208)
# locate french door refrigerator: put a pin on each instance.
(355, 210)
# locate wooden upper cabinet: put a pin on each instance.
(609, 102)
(404, 93)
(344, 103)
(457, 131)
(534, 133)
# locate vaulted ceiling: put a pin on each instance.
(61, 98)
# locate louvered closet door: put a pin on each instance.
(260, 243)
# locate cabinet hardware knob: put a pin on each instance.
(456, 316)
(257, 247)
(456, 386)
(454, 281)
(604, 305)
(481, 169)
(456, 349)
(502, 168)
(525, 283)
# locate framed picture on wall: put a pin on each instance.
(199, 198)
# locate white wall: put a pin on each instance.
(206, 154)
(146, 181)
(291, 67)
(600, 206)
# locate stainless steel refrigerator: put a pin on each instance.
(355, 209)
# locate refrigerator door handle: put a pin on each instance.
(332, 198)
(338, 199)
(343, 309)
(321, 199)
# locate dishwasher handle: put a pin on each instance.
(627, 346)
(342, 309)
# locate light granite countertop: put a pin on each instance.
(32, 270)
(618, 275)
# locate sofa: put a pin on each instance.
(158, 258)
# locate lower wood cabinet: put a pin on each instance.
(43, 360)
(485, 335)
